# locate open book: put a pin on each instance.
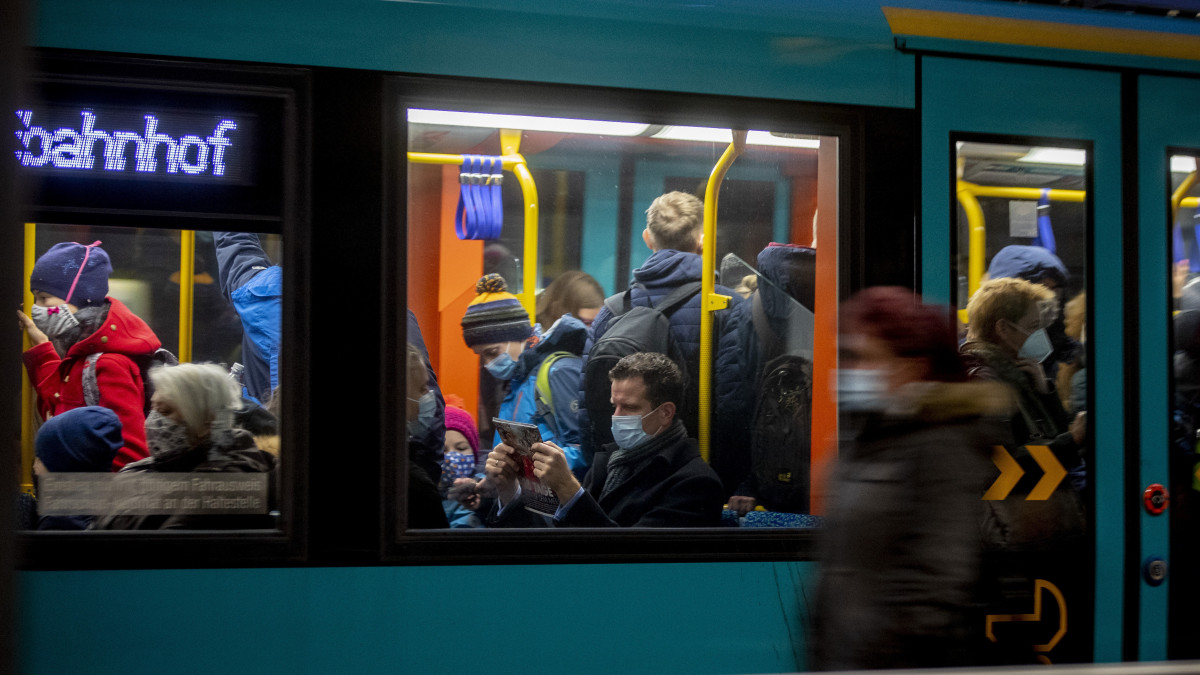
(538, 497)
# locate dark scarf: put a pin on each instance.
(624, 463)
(90, 320)
(1040, 419)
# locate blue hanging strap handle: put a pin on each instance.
(1192, 246)
(480, 212)
(1045, 235)
(479, 198)
(464, 217)
(495, 180)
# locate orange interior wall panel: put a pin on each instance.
(824, 406)
(459, 266)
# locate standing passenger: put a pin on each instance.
(900, 548)
(74, 327)
(496, 327)
(573, 292)
(674, 233)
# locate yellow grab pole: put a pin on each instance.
(1022, 192)
(28, 397)
(1190, 202)
(1177, 197)
(187, 288)
(968, 194)
(510, 142)
(712, 301)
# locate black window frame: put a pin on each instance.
(290, 89)
(859, 130)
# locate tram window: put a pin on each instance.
(1022, 274)
(588, 191)
(114, 438)
(1184, 466)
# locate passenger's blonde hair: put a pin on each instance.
(1006, 299)
(676, 220)
(202, 393)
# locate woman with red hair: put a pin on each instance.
(900, 548)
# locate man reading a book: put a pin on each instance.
(652, 476)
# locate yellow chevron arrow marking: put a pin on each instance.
(1053, 469)
(1010, 473)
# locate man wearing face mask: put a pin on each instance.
(652, 476)
(72, 319)
(1006, 341)
(497, 328)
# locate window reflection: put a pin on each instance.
(611, 204)
(118, 435)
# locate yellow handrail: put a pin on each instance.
(1178, 199)
(511, 160)
(712, 301)
(28, 396)
(187, 291)
(968, 194)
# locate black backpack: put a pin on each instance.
(635, 329)
(781, 437)
(91, 388)
(781, 432)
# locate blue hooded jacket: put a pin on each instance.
(1031, 263)
(559, 425)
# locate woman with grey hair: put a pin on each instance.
(190, 429)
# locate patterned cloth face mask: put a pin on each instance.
(457, 465)
(53, 321)
(165, 438)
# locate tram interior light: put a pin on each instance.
(524, 122)
(1183, 164)
(1063, 156)
(711, 135)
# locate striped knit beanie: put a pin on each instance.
(495, 315)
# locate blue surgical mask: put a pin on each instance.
(627, 429)
(426, 413)
(861, 390)
(502, 367)
(1037, 346)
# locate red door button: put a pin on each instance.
(1156, 499)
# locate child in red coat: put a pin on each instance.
(72, 320)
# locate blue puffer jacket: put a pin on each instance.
(662, 273)
(559, 425)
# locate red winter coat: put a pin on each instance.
(59, 382)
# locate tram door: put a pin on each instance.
(1169, 508)
(1021, 179)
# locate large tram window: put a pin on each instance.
(584, 187)
(197, 447)
(1184, 463)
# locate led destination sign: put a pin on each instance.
(131, 145)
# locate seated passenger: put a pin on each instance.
(461, 487)
(81, 336)
(496, 327)
(191, 429)
(652, 476)
(80, 440)
(424, 500)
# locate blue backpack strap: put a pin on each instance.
(91, 389)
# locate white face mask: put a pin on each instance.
(53, 321)
(1037, 346)
(861, 390)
